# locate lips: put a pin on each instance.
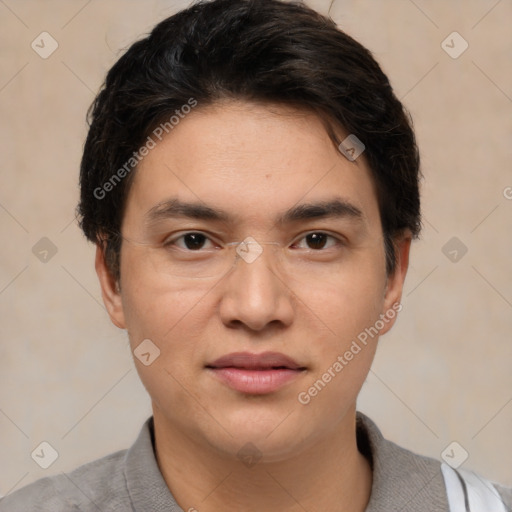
(256, 374)
(248, 361)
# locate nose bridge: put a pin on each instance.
(255, 293)
(250, 250)
(256, 263)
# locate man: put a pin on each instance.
(251, 183)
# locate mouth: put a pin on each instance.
(256, 374)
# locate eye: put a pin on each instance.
(317, 241)
(192, 241)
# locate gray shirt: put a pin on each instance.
(130, 480)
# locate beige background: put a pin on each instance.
(442, 375)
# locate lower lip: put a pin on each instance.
(256, 382)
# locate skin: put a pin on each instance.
(255, 162)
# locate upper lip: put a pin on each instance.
(249, 361)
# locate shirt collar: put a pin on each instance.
(146, 485)
(401, 480)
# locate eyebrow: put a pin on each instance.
(336, 208)
(174, 208)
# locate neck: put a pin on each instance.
(329, 476)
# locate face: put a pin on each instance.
(268, 341)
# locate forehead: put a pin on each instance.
(251, 160)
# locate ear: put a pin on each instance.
(109, 289)
(395, 281)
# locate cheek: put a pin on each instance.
(161, 313)
(155, 305)
(345, 345)
(348, 303)
(174, 319)
(346, 313)
(346, 326)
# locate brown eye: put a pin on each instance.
(191, 241)
(194, 241)
(316, 240)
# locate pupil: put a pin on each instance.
(316, 240)
(194, 240)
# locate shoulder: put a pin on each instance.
(403, 480)
(506, 496)
(97, 485)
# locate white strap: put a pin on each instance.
(468, 492)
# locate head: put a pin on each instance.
(240, 107)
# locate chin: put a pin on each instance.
(275, 436)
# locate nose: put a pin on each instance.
(255, 295)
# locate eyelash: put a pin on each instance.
(171, 242)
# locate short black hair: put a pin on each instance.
(254, 50)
